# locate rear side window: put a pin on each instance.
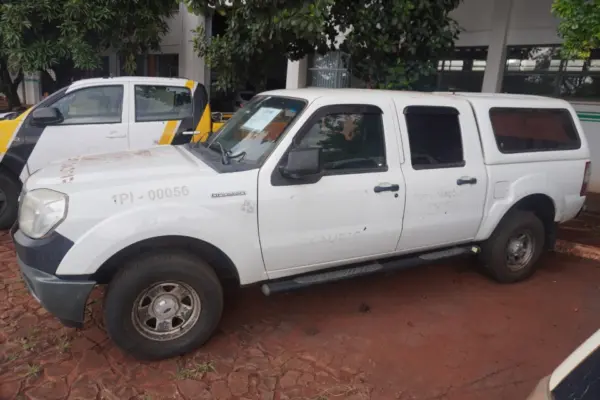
(162, 103)
(434, 136)
(523, 130)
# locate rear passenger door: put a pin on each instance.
(445, 176)
(95, 121)
(159, 111)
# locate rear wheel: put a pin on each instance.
(511, 253)
(163, 305)
(9, 200)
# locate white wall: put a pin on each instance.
(590, 122)
(171, 43)
(190, 65)
(179, 41)
(531, 22)
(475, 20)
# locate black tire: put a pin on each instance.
(494, 251)
(146, 271)
(11, 187)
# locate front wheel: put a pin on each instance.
(163, 305)
(511, 253)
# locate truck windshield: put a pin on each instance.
(254, 130)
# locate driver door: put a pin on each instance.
(354, 211)
(94, 122)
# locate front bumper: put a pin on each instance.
(64, 298)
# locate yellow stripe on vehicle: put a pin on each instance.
(204, 126)
(168, 133)
(9, 128)
(190, 85)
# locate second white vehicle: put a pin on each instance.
(93, 116)
(300, 187)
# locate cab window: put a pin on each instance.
(93, 105)
(350, 140)
(435, 137)
(162, 103)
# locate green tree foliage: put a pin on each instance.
(391, 43)
(579, 26)
(37, 35)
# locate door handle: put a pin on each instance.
(190, 132)
(466, 180)
(386, 188)
(115, 135)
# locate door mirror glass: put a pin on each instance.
(46, 116)
(303, 162)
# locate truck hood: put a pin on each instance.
(120, 168)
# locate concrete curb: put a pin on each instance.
(577, 250)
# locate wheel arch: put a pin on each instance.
(12, 166)
(544, 207)
(215, 257)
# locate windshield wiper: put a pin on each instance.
(240, 156)
(224, 153)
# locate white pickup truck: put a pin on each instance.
(300, 187)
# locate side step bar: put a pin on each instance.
(396, 264)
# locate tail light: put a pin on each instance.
(586, 178)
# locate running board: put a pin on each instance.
(303, 281)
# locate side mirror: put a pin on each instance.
(303, 162)
(9, 116)
(217, 117)
(46, 116)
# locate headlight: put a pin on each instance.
(41, 211)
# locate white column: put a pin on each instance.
(31, 88)
(208, 27)
(496, 59)
(190, 65)
(296, 74)
(113, 64)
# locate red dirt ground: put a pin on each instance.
(438, 332)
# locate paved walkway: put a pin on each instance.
(439, 332)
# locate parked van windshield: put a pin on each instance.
(253, 131)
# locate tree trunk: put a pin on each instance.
(10, 87)
(14, 101)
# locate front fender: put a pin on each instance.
(236, 234)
